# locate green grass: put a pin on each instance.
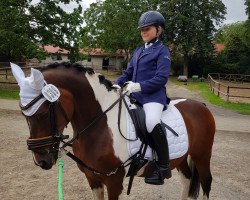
(203, 89)
(9, 94)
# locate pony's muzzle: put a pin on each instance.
(45, 161)
(45, 164)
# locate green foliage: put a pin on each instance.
(190, 25)
(176, 63)
(230, 32)
(25, 26)
(112, 24)
(236, 38)
(247, 3)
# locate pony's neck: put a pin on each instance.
(104, 97)
(91, 99)
(86, 107)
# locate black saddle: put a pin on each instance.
(138, 117)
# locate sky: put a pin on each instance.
(235, 9)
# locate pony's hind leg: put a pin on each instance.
(203, 168)
(185, 175)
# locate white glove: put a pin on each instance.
(132, 87)
(117, 87)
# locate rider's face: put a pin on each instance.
(148, 33)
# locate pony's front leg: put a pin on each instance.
(96, 187)
(98, 193)
(114, 184)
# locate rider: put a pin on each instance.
(146, 77)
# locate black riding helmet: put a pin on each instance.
(151, 18)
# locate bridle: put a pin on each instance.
(56, 137)
(54, 140)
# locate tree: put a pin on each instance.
(25, 26)
(236, 30)
(247, 3)
(112, 24)
(191, 24)
(236, 38)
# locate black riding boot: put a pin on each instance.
(161, 147)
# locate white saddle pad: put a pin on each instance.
(178, 146)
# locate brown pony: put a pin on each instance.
(85, 96)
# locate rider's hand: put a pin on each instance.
(116, 87)
(132, 87)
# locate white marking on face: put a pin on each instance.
(185, 186)
(98, 193)
(105, 99)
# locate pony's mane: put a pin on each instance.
(108, 84)
(76, 66)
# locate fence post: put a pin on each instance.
(227, 93)
(213, 87)
(6, 75)
(218, 90)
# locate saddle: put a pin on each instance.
(137, 115)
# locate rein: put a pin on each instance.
(80, 162)
(122, 95)
(114, 171)
(56, 138)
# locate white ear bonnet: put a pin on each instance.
(30, 87)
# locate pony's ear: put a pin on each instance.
(17, 73)
(36, 79)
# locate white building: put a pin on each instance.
(95, 58)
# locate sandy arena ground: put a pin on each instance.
(21, 179)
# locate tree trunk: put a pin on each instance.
(185, 65)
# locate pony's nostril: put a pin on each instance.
(45, 164)
(42, 164)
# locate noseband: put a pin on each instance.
(54, 140)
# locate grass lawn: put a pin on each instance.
(203, 89)
(9, 94)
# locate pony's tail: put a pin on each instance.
(194, 187)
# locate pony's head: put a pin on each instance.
(46, 115)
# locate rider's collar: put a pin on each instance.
(150, 43)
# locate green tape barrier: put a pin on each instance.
(60, 179)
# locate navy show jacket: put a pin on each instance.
(150, 68)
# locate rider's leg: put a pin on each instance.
(153, 112)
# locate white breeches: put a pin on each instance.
(153, 112)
